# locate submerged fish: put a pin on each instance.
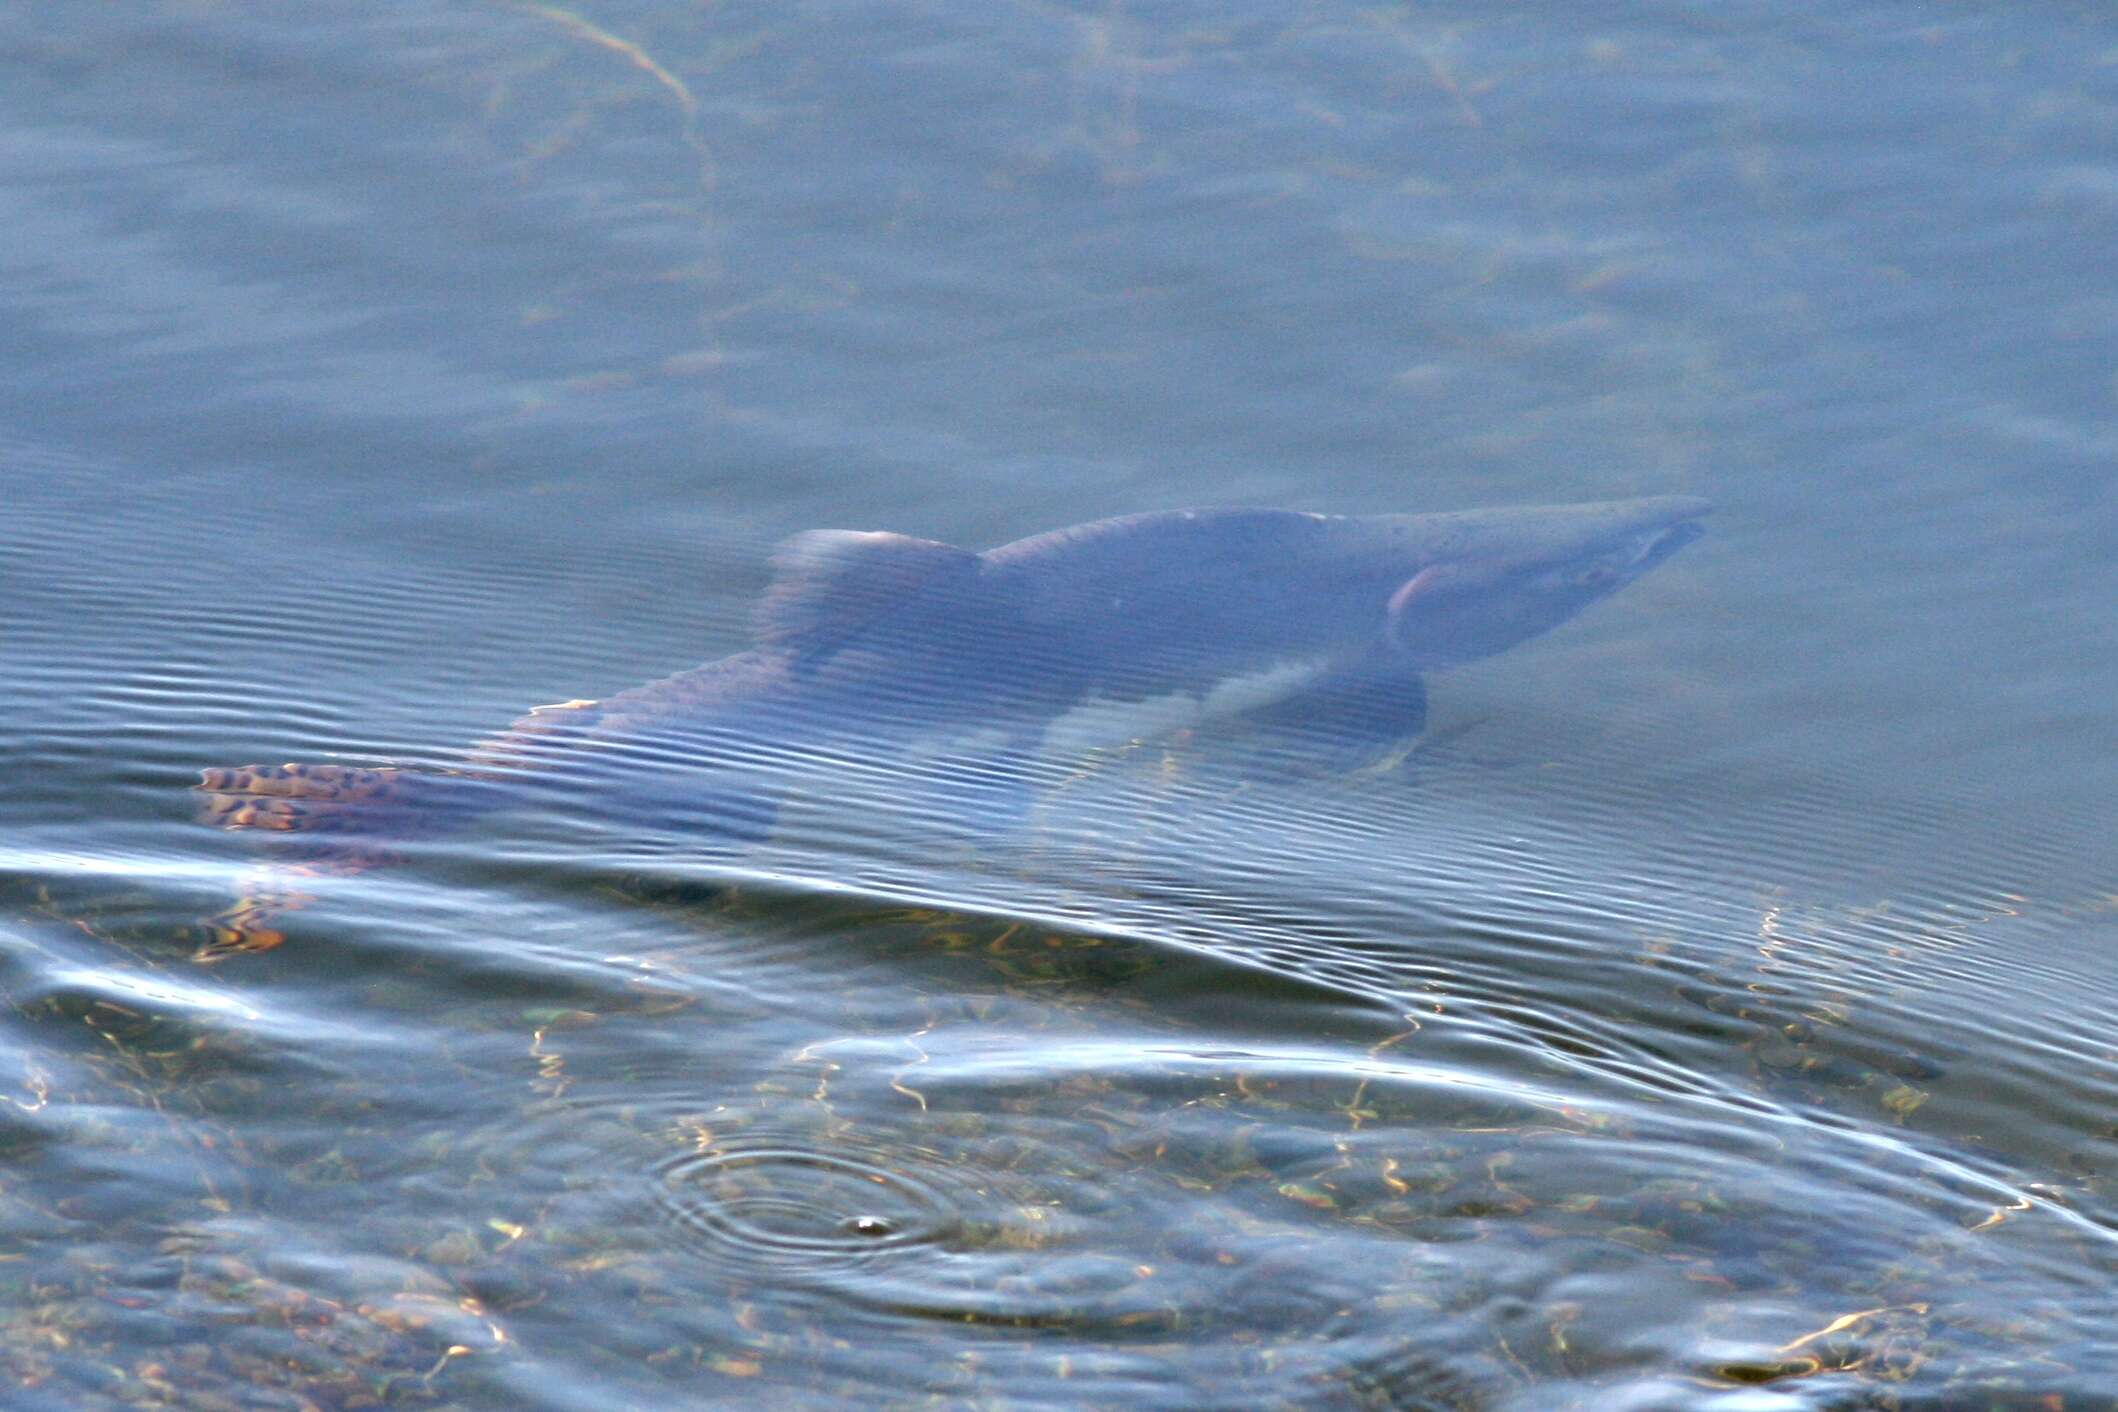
(874, 647)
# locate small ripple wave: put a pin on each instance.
(800, 1211)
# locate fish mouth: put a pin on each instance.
(1659, 544)
(1650, 546)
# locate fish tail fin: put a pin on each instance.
(340, 799)
(323, 821)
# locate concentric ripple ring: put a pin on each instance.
(787, 1207)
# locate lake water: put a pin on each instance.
(1714, 1010)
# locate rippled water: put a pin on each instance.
(1712, 1010)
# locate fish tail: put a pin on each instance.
(306, 798)
(335, 821)
(322, 821)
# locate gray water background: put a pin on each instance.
(1736, 961)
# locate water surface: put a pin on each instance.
(1713, 1011)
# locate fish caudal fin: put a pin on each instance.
(303, 798)
(324, 821)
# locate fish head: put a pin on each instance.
(1460, 587)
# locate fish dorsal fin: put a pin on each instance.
(829, 584)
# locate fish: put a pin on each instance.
(877, 650)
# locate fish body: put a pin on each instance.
(1123, 629)
(884, 649)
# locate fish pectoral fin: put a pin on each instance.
(1358, 719)
(829, 584)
